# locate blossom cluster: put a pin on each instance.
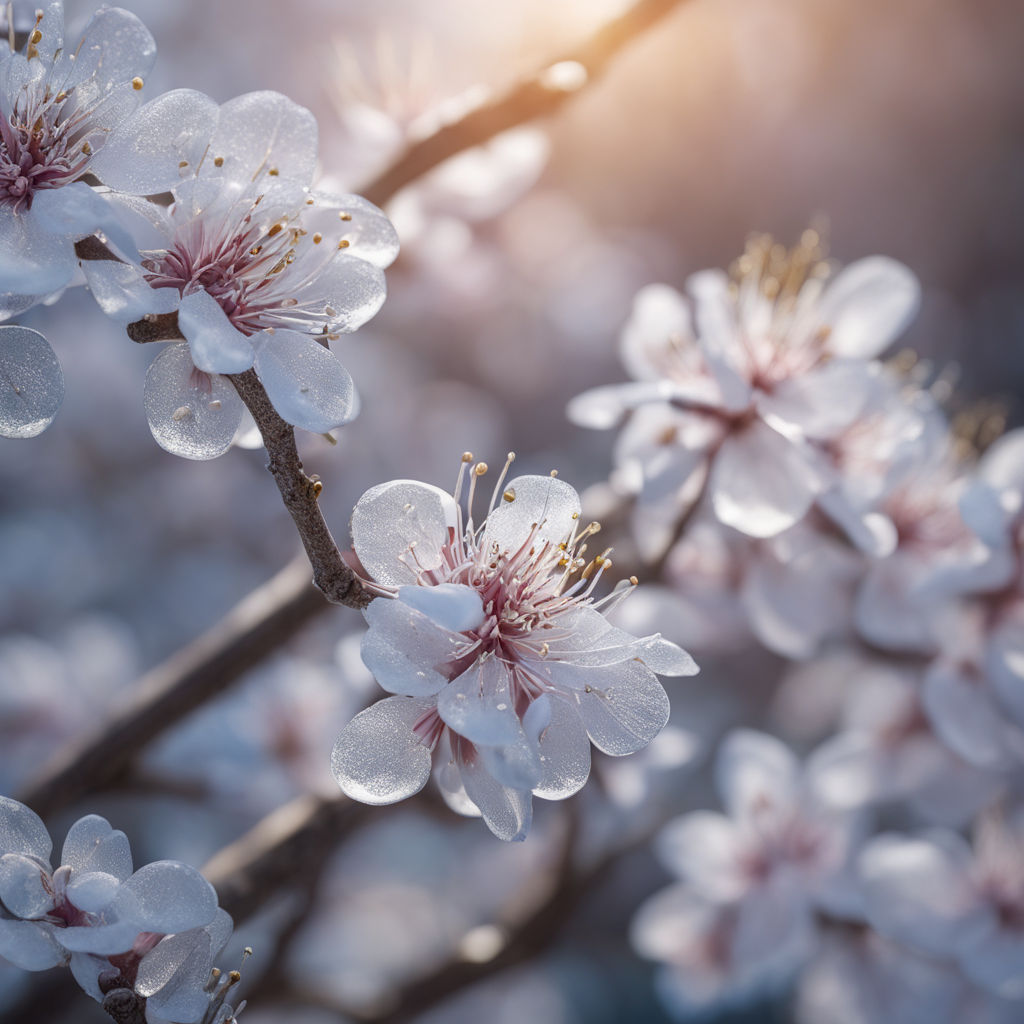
(155, 932)
(255, 268)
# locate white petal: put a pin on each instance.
(172, 975)
(115, 48)
(191, 414)
(76, 210)
(366, 229)
(86, 970)
(33, 260)
(31, 383)
(101, 939)
(962, 712)
(823, 402)
(452, 605)
(506, 812)
(868, 305)
(703, 848)
(22, 830)
(392, 516)
(753, 768)
(171, 897)
(23, 886)
(564, 752)
(93, 890)
(29, 945)
(659, 314)
(143, 155)
(262, 132)
(719, 336)
(306, 382)
(760, 483)
(92, 845)
(378, 759)
(217, 345)
(124, 294)
(543, 501)
(514, 765)
(403, 649)
(478, 704)
(346, 289)
(1002, 465)
(604, 407)
(917, 892)
(624, 708)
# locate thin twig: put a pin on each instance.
(534, 97)
(295, 839)
(331, 573)
(255, 628)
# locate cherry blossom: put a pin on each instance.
(71, 110)
(940, 896)
(496, 648)
(754, 877)
(262, 273)
(775, 363)
(154, 930)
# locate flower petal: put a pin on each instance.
(124, 294)
(23, 886)
(217, 345)
(170, 897)
(191, 414)
(453, 606)
(92, 845)
(659, 315)
(868, 305)
(145, 153)
(760, 483)
(366, 229)
(378, 759)
(752, 769)
(478, 704)
(543, 501)
(31, 383)
(22, 830)
(29, 945)
(508, 813)
(564, 752)
(306, 382)
(703, 848)
(395, 520)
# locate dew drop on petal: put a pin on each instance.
(31, 382)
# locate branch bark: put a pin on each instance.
(331, 573)
(534, 97)
(256, 627)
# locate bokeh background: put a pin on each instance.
(897, 126)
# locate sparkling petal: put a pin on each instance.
(170, 897)
(172, 975)
(92, 845)
(564, 752)
(217, 345)
(349, 290)
(403, 647)
(190, 414)
(262, 132)
(392, 516)
(31, 382)
(378, 759)
(306, 382)
(624, 708)
(33, 260)
(143, 156)
(366, 229)
(453, 606)
(23, 887)
(508, 813)
(478, 704)
(123, 293)
(93, 890)
(29, 945)
(545, 501)
(22, 830)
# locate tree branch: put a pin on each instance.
(537, 96)
(331, 573)
(256, 627)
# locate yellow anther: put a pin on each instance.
(344, 216)
(218, 161)
(480, 468)
(317, 238)
(344, 243)
(182, 164)
(274, 230)
(467, 456)
(273, 172)
(36, 37)
(137, 83)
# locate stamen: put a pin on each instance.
(509, 459)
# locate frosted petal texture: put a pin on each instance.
(31, 383)
(171, 897)
(191, 414)
(92, 845)
(22, 830)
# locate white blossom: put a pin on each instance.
(262, 272)
(775, 363)
(497, 651)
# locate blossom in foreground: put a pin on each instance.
(745, 400)
(752, 879)
(943, 897)
(69, 110)
(154, 931)
(262, 273)
(497, 650)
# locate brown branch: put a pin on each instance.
(289, 843)
(535, 97)
(256, 627)
(331, 573)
